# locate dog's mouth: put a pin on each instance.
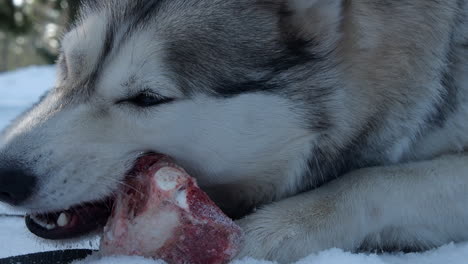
(77, 221)
(84, 218)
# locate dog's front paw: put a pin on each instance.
(261, 238)
(270, 235)
(289, 230)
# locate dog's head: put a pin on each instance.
(235, 91)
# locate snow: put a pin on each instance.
(449, 254)
(19, 89)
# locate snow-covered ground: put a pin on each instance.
(19, 89)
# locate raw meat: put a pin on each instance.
(163, 214)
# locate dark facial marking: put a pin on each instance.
(227, 62)
(139, 15)
(134, 16)
(109, 39)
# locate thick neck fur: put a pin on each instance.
(397, 83)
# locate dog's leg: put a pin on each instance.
(410, 206)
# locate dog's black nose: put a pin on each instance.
(16, 185)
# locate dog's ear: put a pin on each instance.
(319, 20)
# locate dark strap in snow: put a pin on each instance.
(51, 257)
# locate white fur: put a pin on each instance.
(82, 46)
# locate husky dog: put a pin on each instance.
(315, 123)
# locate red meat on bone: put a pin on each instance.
(162, 213)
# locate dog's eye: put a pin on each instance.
(147, 99)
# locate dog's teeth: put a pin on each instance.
(39, 221)
(50, 226)
(62, 220)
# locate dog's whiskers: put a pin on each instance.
(124, 184)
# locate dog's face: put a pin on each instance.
(205, 82)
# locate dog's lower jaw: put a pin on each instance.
(75, 222)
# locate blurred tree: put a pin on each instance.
(13, 19)
(12, 23)
(30, 30)
(73, 7)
